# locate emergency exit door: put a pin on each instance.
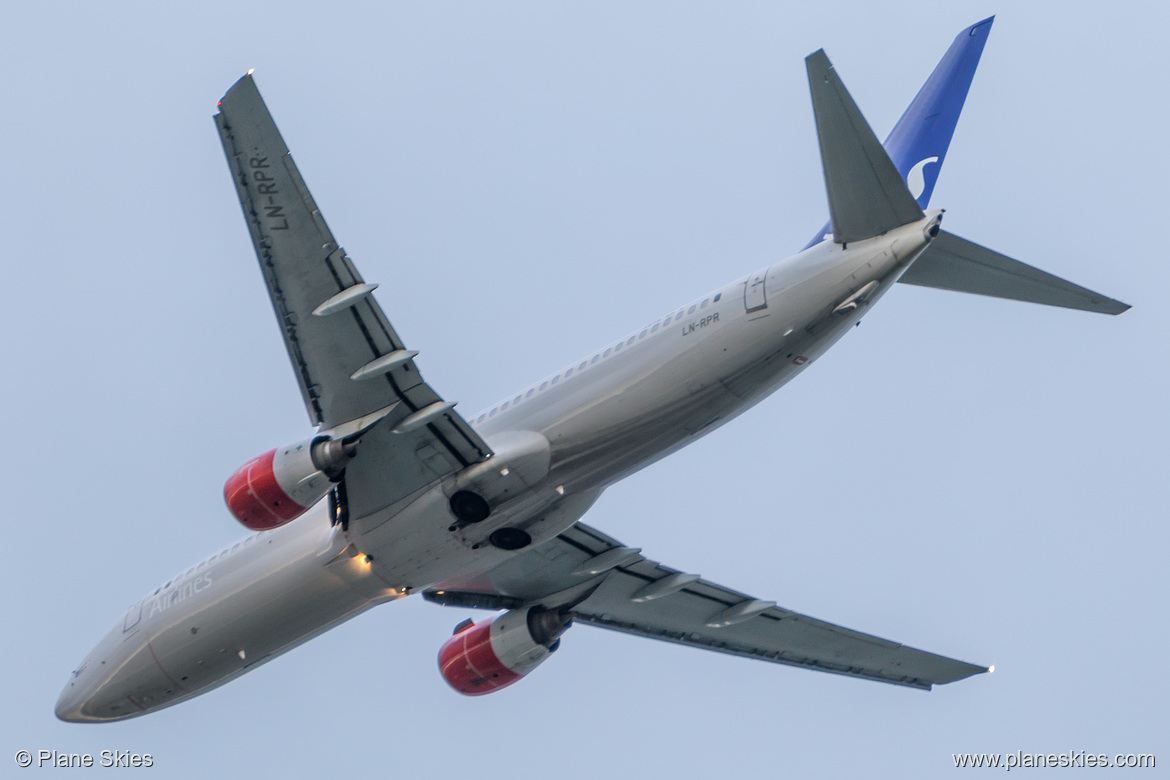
(755, 297)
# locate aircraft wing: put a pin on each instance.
(349, 362)
(642, 597)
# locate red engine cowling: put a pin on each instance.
(492, 654)
(280, 485)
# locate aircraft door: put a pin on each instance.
(133, 615)
(755, 296)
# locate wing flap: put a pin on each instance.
(956, 264)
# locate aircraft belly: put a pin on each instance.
(269, 617)
(725, 371)
(631, 435)
(423, 544)
(292, 587)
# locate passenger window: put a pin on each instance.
(482, 417)
(235, 546)
(631, 341)
(607, 353)
(582, 366)
(654, 328)
(642, 335)
(703, 305)
(618, 346)
(530, 392)
(717, 297)
(201, 565)
(516, 400)
(492, 413)
(692, 309)
(678, 316)
(556, 379)
(543, 385)
(504, 406)
(595, 358)
(568, 373)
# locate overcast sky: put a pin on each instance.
(528, 181)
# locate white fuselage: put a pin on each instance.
(605, 417)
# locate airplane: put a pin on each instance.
(396, 493)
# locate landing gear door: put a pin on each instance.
(755, 297)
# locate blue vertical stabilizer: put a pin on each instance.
(918, 143)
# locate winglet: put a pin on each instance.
(867, 195)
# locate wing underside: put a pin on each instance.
(349, 362)
(647, 599)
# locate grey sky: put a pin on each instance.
(528, 181)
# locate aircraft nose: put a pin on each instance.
(69, 703)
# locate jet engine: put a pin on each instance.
(491, 654)
(280, 485)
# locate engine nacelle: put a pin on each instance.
(494, 653)
(280, 485)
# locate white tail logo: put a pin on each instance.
(915, 180)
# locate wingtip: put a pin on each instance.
(245, 79)
(818, 63)
(1110, 306)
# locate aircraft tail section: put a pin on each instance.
(919, 141)
(954, 263)
(867, 195)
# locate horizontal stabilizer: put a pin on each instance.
(918, 143)
(867, 195)
(954, 263)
